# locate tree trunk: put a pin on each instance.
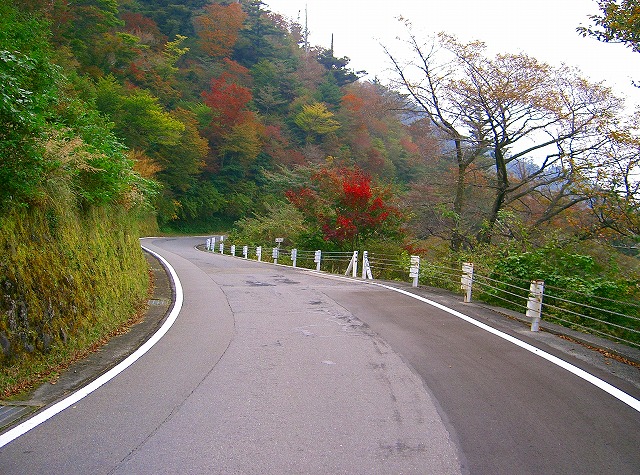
(458, 201)
(502, 187)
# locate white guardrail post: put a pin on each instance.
(294, 257)
(534, 304)
(353, 265)
(233, 250)
(414, 270)
(366, 267)
(259, 253)
(245, 252)
(317, 258)
(275, 253)
(466, 281)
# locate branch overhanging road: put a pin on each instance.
(273, 370)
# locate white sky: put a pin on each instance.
(544, 29)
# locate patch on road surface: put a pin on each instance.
(254, 283)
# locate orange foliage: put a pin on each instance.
(352, 102)
(218, 28)
(145, 166)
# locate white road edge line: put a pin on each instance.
(612, 390)
(60, 406)
(608, 388)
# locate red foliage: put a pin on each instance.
(342, 230)
(352, 102)
(409, 145)
(143, 27)
(304, 199)
(357, 209)
(228, 101)
(356, 189)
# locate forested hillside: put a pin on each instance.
(234, 114)
(219, 116)
(207, 96)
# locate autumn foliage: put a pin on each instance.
(218, 28)
(346, 206)
(228, 100)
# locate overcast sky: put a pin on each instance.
(544, 29)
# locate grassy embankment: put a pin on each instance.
(69, 280)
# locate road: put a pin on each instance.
(270, 370)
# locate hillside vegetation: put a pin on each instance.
(71, 268)
(202, 116)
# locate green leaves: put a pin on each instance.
(138, 116)
(26, 97)
(618, 23)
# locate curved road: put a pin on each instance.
(270, 370)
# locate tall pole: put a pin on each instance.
(306, 29)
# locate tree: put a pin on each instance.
(614, 187)
(345, 205)
(316, 120)
(233, 133)
(373, 129)
(229, 102)
(337, 67)
(273, 86)
(29, 91)
(173, 18)
(183, 160)
(260, 38)
(138, 116)
(536, 125)
(619, 22)
(218, 28)
(87, 28)
(153, 65)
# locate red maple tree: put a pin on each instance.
(346, 206)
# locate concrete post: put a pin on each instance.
(414, 270)
(366, 267)
(259, 253)
(466, 281)
(317, 259)
(353, 265)
(534, 304)
(233, 250)
(294, 257)
(245, 252)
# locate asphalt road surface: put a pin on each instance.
(271, 370)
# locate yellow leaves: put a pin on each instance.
(243, 141)
(316, 119)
